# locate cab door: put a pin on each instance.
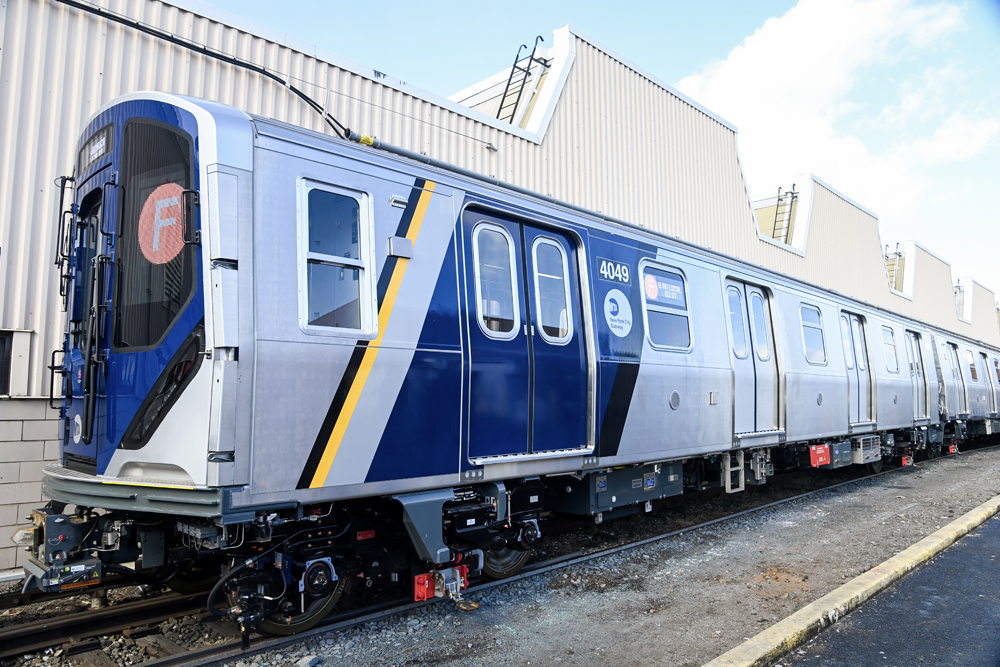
(752, 355)
(527, 343)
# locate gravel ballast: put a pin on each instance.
(681, 601)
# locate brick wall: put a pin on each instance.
(29, 433)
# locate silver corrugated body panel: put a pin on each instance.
(652, 158)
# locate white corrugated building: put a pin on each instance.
(591, 129)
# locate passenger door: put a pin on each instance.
(852, 330)
(990, 383)
(852, 368)
(963, 394)
(752, 354)
(527, 350)
(918, 380)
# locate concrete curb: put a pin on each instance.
(782, 637)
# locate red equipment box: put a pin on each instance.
(819, 455)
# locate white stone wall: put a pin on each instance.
(29, 433)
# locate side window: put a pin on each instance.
(972, 365)
(845, 333)
(337, 277)
(860, 348)
(665, 298)
(735, 300)
(763, 343)
(497, 309)
(812, 334)
(996, 367)
(552, 291)
(889, 345)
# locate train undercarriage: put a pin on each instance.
(282, 571)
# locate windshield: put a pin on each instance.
(155, 268)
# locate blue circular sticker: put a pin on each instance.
(618, 313)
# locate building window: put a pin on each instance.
(552, 299)
(339, 294)
(498, 309)
(6, 348)
(889, 346)
(812, 334)
(667, 318)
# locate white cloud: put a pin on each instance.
(959, 138)
(921, 100)
(787, 84)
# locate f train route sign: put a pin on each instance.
(161, 233)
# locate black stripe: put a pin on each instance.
(617, 410)
(347, 381)
(384, 279)
(411, 207)
(401, 230)
(332, 414)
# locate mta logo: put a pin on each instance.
(614, 308)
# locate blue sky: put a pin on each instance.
(896, 103)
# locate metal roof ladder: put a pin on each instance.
(520, 74)
(783, 214)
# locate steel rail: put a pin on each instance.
(20, 599)
(38, 635)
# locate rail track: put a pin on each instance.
(76, 634)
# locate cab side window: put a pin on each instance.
(337, 263)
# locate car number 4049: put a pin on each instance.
(615, 272)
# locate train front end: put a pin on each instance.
(147, 372)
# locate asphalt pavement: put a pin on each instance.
(947, 612)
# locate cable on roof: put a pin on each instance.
(337, 126)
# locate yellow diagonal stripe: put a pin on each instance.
(368, 361)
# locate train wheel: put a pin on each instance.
(197, 576)
(874, 467)
(318, 607)
(503, 563)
